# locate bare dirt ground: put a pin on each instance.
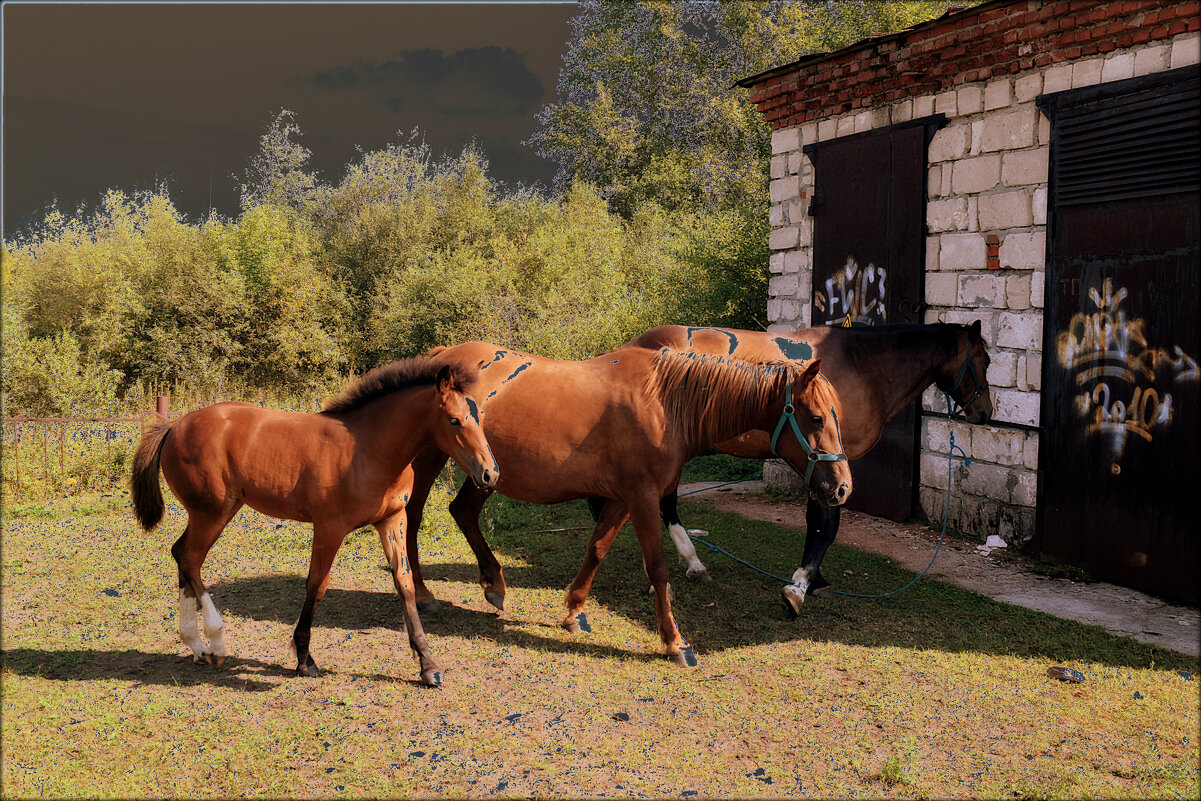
(1121, 610)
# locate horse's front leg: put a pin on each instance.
(392, 530)
(612, 517)
(465, 509)
(327, 540)
(646, 527)
(822, 524)
(426, 468)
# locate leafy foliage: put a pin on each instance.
(660, 217)
(315, 280)
(647, 112)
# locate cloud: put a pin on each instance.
(474, 82)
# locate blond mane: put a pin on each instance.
(710, 398)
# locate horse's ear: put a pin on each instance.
(809, 373)
(443, 381)
(975, 329)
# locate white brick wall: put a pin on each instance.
(987, 176)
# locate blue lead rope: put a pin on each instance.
(945, 519)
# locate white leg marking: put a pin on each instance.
(800, 584)
(188, 630)
(686, 550)
(214, 626)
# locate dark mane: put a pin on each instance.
(375, 384)
(710, 398)
(911, 337)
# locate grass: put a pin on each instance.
(938, 692)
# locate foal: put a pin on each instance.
(345, 467)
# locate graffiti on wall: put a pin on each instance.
(1124, 381)
(854, 294)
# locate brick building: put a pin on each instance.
(1027, 164)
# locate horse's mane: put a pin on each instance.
(710, 398)
(876, 341)
(393, 377)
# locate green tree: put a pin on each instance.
(292, 336)
(648, 110)
(278, 173)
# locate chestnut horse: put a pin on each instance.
(340, 469)
(621, 426)
(877, 370)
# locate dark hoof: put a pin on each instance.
(685, 658)
(432, 678)
(577, 624)
(495, 598)
(825, 593)
(792, 598)
(428, 605)
(308, 669)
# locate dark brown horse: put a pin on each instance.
(621, 427)
(340, 469)
(877, 370)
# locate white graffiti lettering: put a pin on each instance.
(853, 295)
(1122, 378)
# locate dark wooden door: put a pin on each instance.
(869, 236)
(1119, 450)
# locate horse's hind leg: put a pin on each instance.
(465, 509)
(679, 536)
(612, 517)
(326, 542)
(392, 530)
(821, 522)
(190, 551)
(426, 467)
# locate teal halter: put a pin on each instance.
(789, 415)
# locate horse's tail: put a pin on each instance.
(143, 483)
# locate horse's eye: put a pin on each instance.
(816, 420)
(454, 421)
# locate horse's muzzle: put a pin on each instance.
(487, 477)
(839, 494)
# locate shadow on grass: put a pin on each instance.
(741, 607)
(738, 608)
(141, 668)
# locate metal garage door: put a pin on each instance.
(1120, 454)
(869, 238)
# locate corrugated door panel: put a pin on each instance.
(1141, 143)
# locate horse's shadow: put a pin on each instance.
(362, 609)
(142, 668)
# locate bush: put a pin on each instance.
(314, 281)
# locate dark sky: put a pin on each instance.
(100, 96)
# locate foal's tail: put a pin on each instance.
(143, 484)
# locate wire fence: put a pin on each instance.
(45, 456)
(56, 456)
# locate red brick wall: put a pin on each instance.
(989, 41)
